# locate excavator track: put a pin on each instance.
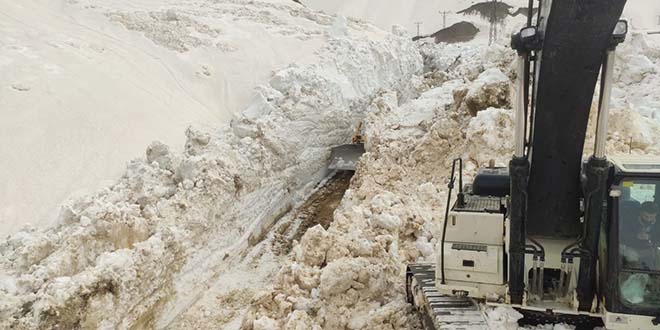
(438, 311)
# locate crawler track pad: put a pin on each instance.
(438, 311)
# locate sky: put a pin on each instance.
(643, 13)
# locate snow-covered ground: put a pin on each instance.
(83, 77)
(86, 85)
(141, 251)
(190, 239)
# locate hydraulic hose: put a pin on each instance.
(452, 180)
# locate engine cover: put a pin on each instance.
(474, 244)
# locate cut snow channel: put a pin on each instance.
(244, 273)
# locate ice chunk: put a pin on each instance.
(265, 323)
(505, 318)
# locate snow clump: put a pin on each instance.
(491, 89)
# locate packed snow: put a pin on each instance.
(204, 237)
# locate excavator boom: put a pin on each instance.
(576, 35)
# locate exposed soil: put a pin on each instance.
(318, 209)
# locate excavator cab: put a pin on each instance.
(630, 275)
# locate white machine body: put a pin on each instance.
(474, 251)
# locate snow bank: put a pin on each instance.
(466, 62)
(139, 252)
(350, 275)
(637, 73)
(634, 113)
(88, 83)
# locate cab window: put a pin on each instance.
(639, 243)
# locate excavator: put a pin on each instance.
(345, 157)
(559, 238)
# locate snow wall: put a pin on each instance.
(138, 252)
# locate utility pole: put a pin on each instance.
(418, 25)
(492, 36)
(444, 18)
